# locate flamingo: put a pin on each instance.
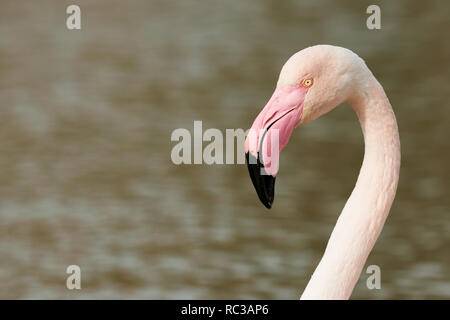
(311, 83)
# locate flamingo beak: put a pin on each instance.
(268, 135)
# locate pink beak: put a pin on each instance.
(269, 134)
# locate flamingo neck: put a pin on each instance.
(365, 212)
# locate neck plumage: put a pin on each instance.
(365, 212)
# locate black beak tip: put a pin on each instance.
(264, 183)
(268, 204)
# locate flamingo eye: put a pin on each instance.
(307, 82)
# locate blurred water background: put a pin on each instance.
(85, 170)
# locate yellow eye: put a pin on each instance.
(307, 83)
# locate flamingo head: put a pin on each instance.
(311, 83)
